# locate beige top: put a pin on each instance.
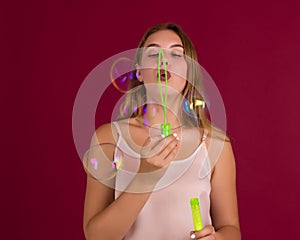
(167, 213)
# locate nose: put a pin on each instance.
(163, 58)
(164, 61)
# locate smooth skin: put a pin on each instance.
(107, 218)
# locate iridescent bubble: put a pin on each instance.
(119, 71)
(103, 161)
(186, 107)
(144, 110)
(122, 74)
(117, 162)
(125, 110)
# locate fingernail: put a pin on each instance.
(193, 236)
(176, 136)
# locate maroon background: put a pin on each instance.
(48, 47)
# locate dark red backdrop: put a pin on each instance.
(48, 47)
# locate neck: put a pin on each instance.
(162, 109)
(155, 116)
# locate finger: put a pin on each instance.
(169, 150)
(208, 230)
(171, 154)
(163, 158)
(210, 237)
(167, 140)
(166, 155)
(159, 146)
(160, 142)
(154, 146)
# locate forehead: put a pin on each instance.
(164, 38)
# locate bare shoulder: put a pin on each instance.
(105, 133)
(219, 147)
(225, 163)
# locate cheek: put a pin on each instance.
(179, 69)
(182, 84)
(149, 63)
(148, 75)
(180, 77)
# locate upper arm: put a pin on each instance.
(224, 207)
(98, 195)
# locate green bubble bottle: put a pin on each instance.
(196, 213)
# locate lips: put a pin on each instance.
(164, 75)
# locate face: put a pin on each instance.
(163, 58)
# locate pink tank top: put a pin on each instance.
(167, 213)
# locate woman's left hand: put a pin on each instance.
(206, 233)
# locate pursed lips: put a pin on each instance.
(163, 74)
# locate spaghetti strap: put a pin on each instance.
(116, 125)
(204, 136)
(117, 131)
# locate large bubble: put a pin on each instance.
(102, 161)
(153, 89)
(121, 75)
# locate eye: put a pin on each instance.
(176, 54)
(153, 55)
(152, 52)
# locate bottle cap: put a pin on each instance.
(194, 201)
(165, 129)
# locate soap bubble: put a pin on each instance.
(102, 161)
(122, 74)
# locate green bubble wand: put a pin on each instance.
(165, 127)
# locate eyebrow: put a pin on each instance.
(157, 45)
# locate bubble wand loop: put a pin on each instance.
(165, 127)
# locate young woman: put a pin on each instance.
(148, 198)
